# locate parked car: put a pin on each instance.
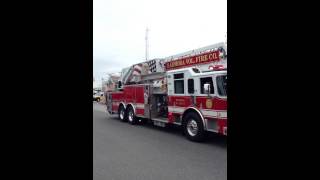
(97, 97)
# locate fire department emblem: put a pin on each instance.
(209, 103)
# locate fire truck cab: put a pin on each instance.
(198, 101)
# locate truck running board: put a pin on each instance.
(159, 123)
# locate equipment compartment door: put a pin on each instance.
(147, 105)
(109, 102)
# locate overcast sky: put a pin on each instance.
(174, 26)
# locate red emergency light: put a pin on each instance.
(216, 67)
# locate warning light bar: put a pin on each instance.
(216, 67)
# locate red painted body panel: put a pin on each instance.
(140, 94)
(180, 101)
(210, 108)
(116, 97)
(140, 112)
(217, 103)
(200, 102)
(222, 123)
(130, 94)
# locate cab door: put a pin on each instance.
(204, 99)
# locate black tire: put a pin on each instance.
(122, 114)
(132, 119)
(144, 121)
(193, 127)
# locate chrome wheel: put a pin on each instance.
(192, 127)
(130, 116)
(121, 114)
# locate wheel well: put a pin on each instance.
(194, 111)
(121, 105)
(130, 106)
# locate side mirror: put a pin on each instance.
(119, 84)
(206, 88)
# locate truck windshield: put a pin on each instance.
(222, 85)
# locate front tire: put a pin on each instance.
(193, 127)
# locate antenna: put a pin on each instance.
(147, 44)
(226, 38)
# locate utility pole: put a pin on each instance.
(147, 44)
(102, 84)
(226, 38)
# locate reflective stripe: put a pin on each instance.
(115, 103)
(214, 113)
(176, 109)
(205, 112)
(139, 106)
(223, 114)
(209, 113)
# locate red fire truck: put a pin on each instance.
(187, 89)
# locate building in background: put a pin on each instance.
(96, 86)
(111, 83)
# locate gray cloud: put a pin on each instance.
(175, 27)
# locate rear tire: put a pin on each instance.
(122, 114)
(144, 121)
(193, 127)
(131, 116)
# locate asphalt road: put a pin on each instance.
(145, 152)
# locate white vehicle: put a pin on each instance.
(97, 96)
